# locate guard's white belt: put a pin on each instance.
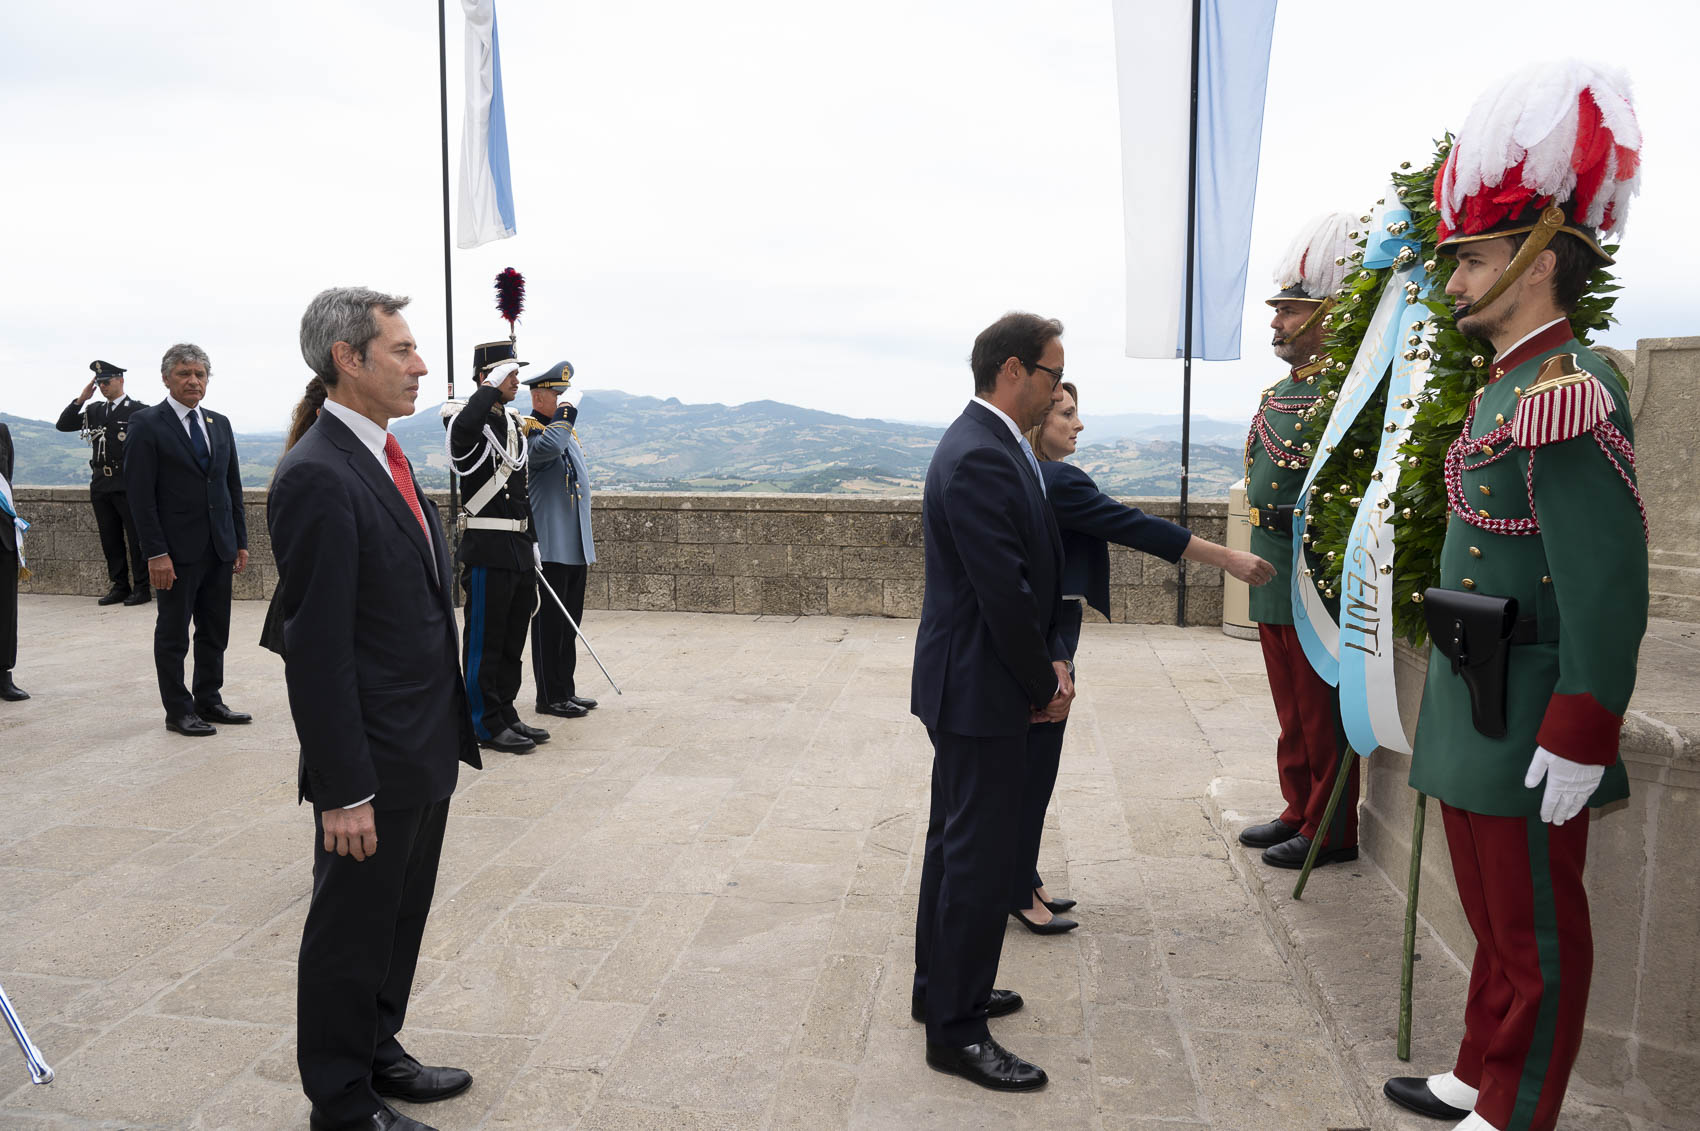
(516, 524)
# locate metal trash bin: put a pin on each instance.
(1236, 594)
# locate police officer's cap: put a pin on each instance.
(557, 376)
(491, 354)
(105, 370)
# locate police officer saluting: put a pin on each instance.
(488, 453)
(559, 486)
(106, 425)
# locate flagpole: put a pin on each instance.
(1186, 363)
(448, 270)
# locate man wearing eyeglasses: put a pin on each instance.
(989, 662)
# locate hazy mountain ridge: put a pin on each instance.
(645, 443)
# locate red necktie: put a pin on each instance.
(404, 481)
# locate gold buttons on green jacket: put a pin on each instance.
(1468, 584)
(1485, 489)
(1475, 552)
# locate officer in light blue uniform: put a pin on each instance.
(560, 509)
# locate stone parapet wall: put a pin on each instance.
(775, 554)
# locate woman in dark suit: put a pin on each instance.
(1089, 521)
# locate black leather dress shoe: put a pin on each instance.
(10, 691)
(1412, 1093)
(1056, 926)
(987, 1064)
(1292, 853)
(565, 709)
(219, 713)
(536, 734)
(582, 701)
(509, 741)
(191, 725)
(1000, 1003)
(114, 595)
(138, 597)
(1268, 834)
(1057, 906)
(416, 1083)
(385, 1118)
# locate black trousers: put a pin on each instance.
(112, 518)
(200, 595)
(554, 645)
(970, 855)
(8, 607)
(1044, 755)
(499, 603)
(359, 948)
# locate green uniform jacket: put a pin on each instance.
(1278, 424)
(1584, 575)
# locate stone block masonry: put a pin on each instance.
(772, 554)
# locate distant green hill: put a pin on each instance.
(647, 444)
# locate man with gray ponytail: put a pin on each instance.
(366, 618)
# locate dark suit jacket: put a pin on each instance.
(8, 530)
(370, 653)
(177, 508)
(1090, 520)
(993, 600)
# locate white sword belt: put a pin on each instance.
(518, 525)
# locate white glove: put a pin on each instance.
(569, 396)
(537, 554)
(1569, 784)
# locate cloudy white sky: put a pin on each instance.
(819, 204)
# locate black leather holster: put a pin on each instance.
(1476, 633)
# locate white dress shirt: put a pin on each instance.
(182, 410)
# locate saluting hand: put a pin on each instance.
(351, 832)
(88, 391)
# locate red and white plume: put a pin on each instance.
(1553, 133)
(1309, 260)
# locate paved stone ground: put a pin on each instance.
(692, 909)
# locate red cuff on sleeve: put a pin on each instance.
(1578, 728)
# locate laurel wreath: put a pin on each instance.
(1458, 367)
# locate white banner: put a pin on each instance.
(1317, 632)
(1369, 705)
(486, 191)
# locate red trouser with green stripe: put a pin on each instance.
(1520, 881)
(1307, 754)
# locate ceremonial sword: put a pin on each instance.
(40, 1073)
(538, 566)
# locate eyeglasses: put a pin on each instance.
(1056, 374)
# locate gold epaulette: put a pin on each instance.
(532, 425)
